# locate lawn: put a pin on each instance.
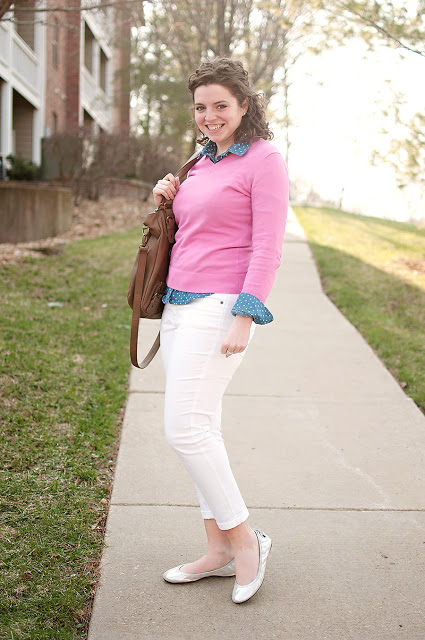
(64, 334)
(374, 271)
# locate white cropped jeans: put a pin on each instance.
(197, 375)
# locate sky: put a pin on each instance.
(336, 105)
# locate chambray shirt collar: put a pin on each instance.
(210, 149)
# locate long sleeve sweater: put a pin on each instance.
(231, 218)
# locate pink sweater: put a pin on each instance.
(231, 220)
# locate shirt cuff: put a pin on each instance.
(248, 305)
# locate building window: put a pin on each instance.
(103, 71)
(25, 22)
(88, 48)
(55, 43)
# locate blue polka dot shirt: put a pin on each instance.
(246, 305)
(210, 149)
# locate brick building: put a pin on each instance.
(60, 71)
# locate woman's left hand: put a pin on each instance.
(237, 337)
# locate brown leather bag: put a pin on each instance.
(148, 276)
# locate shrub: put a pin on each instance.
(20, 169)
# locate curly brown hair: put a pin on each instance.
(231, 74)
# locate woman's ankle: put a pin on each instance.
(242, 537)
(220, 551)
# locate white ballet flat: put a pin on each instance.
(176, 576)
(243, 592)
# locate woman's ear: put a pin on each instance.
(245, 105)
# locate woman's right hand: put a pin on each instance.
(166, 187)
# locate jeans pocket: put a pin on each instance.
(218, 297)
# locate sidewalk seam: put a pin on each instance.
(193, 506)
(317, 398)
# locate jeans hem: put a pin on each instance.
(230, 524)
(207, 515)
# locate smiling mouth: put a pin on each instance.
(214, 127)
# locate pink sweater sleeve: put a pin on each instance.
(269, 201)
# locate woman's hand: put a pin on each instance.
(237, 336)
(166, 187)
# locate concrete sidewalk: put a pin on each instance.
(328, 452)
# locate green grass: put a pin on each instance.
(63, 380)
(374, 271)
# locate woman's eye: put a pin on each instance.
(220, 106)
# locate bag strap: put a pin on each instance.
(142, 258)
(187, 165)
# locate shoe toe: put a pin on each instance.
(240, 594)
(175, 575)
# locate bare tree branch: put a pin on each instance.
(362, 17)
(6, 6)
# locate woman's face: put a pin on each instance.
(218, 114)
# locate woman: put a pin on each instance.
(231, 214)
